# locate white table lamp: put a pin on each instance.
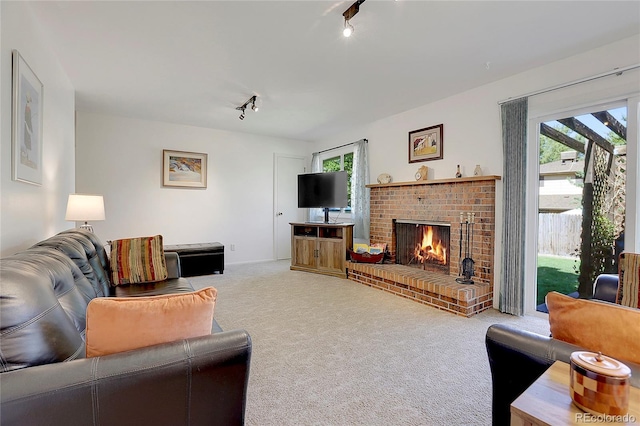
(83, 208)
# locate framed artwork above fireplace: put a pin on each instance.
(426, 144)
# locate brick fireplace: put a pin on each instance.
(436, 202)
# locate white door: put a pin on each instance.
(287, 169)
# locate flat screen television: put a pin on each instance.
(323, 190)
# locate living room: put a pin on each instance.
(90, 150)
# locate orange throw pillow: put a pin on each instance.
(603, 327)
(117, 324)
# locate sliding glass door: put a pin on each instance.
(581, 199)
(577, 209)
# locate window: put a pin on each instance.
(338, 163)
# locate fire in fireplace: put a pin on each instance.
(430, 249)
(423, 245)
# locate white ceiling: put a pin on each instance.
(194, 62)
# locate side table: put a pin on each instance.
(547, 402)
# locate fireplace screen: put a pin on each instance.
(423, 245)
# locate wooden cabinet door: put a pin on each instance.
(304, 252)
(331, 254)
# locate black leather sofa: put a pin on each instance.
(45, 379)
(517, 357)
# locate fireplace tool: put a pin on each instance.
(466, 263)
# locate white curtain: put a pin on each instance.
(359, 191)
(316, 167)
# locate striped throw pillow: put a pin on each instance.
(138, 260)
(629, 275)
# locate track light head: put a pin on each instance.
(348, 14)
(348, 28)
(241, 115)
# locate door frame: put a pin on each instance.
(276, 156)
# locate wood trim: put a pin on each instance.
(434, 182)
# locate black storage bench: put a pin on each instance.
(199, 259)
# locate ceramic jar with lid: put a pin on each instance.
(599, 384)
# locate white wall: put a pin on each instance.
(121, 158)
(31, 213)
(472, 127)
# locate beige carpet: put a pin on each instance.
(328, 351)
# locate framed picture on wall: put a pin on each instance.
(184, 169)
(26, 123)
(426, 144)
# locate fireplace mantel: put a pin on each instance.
(435, 181)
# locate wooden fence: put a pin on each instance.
(559, 234)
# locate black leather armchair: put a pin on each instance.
(517, 357)
(606, 287)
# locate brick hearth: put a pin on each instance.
(439, 201)
(431, 288)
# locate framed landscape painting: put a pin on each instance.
(26, 125)
(426, 144)
(184, 169)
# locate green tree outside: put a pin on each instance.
(335, 164)
(550, 150)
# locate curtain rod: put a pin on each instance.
(341, 146)
(617, 71)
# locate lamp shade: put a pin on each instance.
(85, 207)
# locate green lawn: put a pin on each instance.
(556, 274)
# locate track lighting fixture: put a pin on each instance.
(348, 28)
(348, 14)
(252, 100)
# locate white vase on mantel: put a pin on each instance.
(477, 171)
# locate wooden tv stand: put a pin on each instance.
(321, 247)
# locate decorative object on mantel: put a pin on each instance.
(426, 144)
(422, 173)
(466, 264)
(477, 171)
(458, 173)
(384, 178)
